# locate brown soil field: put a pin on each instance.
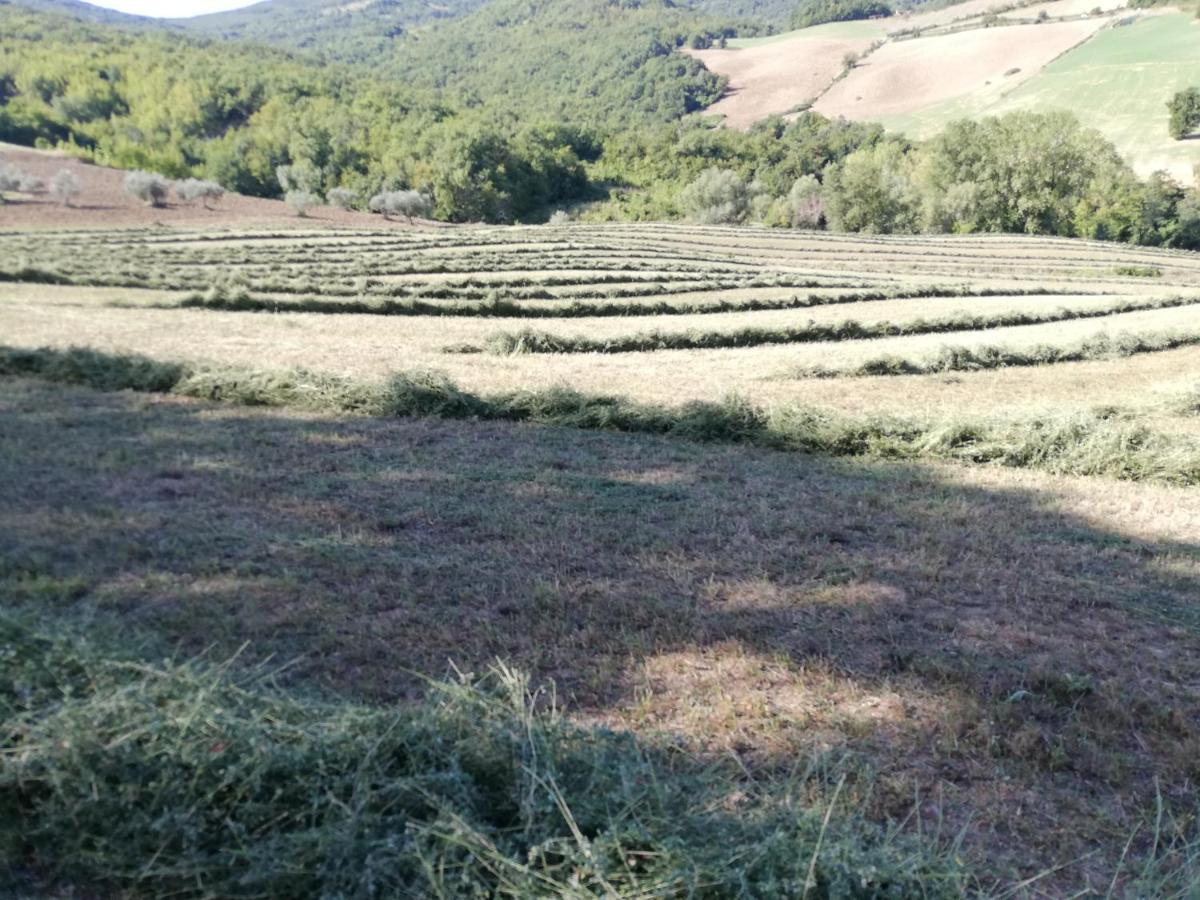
(908, 75)
(778, 76)
(103, 203)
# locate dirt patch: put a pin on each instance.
(103, 203)
(904, 76)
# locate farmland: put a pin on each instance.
(919, 511)
(919, 72)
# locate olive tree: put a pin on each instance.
(11, 179)
(342, 198)
(410, 204)
(301, 201)
(64, 187)
(194, 189)
(149, 187)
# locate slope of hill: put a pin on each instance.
(1118, 82)
(979, 59)
(579, 60)
(79, 10)
(365, 31)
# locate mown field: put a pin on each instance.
(861, 567)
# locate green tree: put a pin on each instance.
(1185, 113)
(717, 197)
(874, 190)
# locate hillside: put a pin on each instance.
(370, 31)
(103, 203)
(525, 57)
(84, 11)
(976, 59)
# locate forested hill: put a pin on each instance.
(589, 61)
(76, 9)
(368, 31)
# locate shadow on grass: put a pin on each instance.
(972, 632)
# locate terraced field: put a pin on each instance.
(908, 524)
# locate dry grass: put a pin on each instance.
(1014, 653)
(1014, 649)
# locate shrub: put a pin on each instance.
(342, 198)
(301, 201)
(11, 179)
(149, 187)
(409, 204)
(194, 189)
(64, 187)
(560, 217)
(717, 197)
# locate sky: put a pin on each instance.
(170, 9)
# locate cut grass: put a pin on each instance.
(531, 341)
(219, 784)
(506, 307)
(940, 625)
(979, 358)
(1097, 443)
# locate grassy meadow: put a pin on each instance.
(618, 561)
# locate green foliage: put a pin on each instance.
(1184, 108)
(525, 55)
(717, 196)
(873, 190)
(234, 114)
(818, 12)
(362, 32)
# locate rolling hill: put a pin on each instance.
(916, 73)
(364, 31)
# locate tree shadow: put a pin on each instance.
(995, 636)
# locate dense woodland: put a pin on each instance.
(502, 114)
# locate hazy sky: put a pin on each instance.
(168, 9)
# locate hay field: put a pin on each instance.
(658, 314)
(909, 518)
